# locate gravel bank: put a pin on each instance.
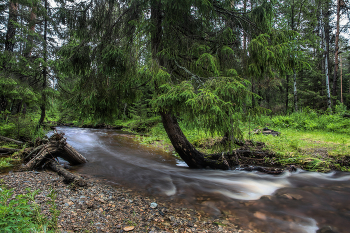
(105, 208)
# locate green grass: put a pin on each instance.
(311, 150)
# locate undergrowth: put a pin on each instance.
(20, 213)
(312, 140)
(310, 120)
(20, 126)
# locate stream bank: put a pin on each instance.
(309, 150)
(111, 208)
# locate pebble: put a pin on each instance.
(153, 205)
(128, 228)
(105, 208)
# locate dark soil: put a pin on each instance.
(252, 156)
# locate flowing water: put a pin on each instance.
(291, 202)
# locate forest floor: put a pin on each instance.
(315, 150)
(105, 208)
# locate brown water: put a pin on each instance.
(291, 202)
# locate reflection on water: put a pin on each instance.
(291, 202)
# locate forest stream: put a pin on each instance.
(291, 202)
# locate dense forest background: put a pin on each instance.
(209, 63)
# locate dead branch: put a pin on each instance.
(2, 138)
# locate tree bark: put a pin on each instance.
(192, 157)
(43, 94)
(341, 81)
(335, 77)
(287, 92)
(295, 91)
(29, 45)
(326, 57)
(183, 147)
(11, 27)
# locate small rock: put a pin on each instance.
(153, 205)
(128, 228)
(260, 215)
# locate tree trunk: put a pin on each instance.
(253, 91)
(259, 93)
(335, 77)
(341, 81)
(29, 44)
(326, 48)
(294, 73)
(11, 27)
(183, 147)
(192, 157)
(3, 103)
(43, 94)
(287, 92)
(295, 91)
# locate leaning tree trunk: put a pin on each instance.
(192, 157)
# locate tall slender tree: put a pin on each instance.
(335, 77)
(11, 26)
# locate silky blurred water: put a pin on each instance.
(291, 202)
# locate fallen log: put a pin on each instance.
(56, 146)
(2, 138)
(68, 176)
(4, 150)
